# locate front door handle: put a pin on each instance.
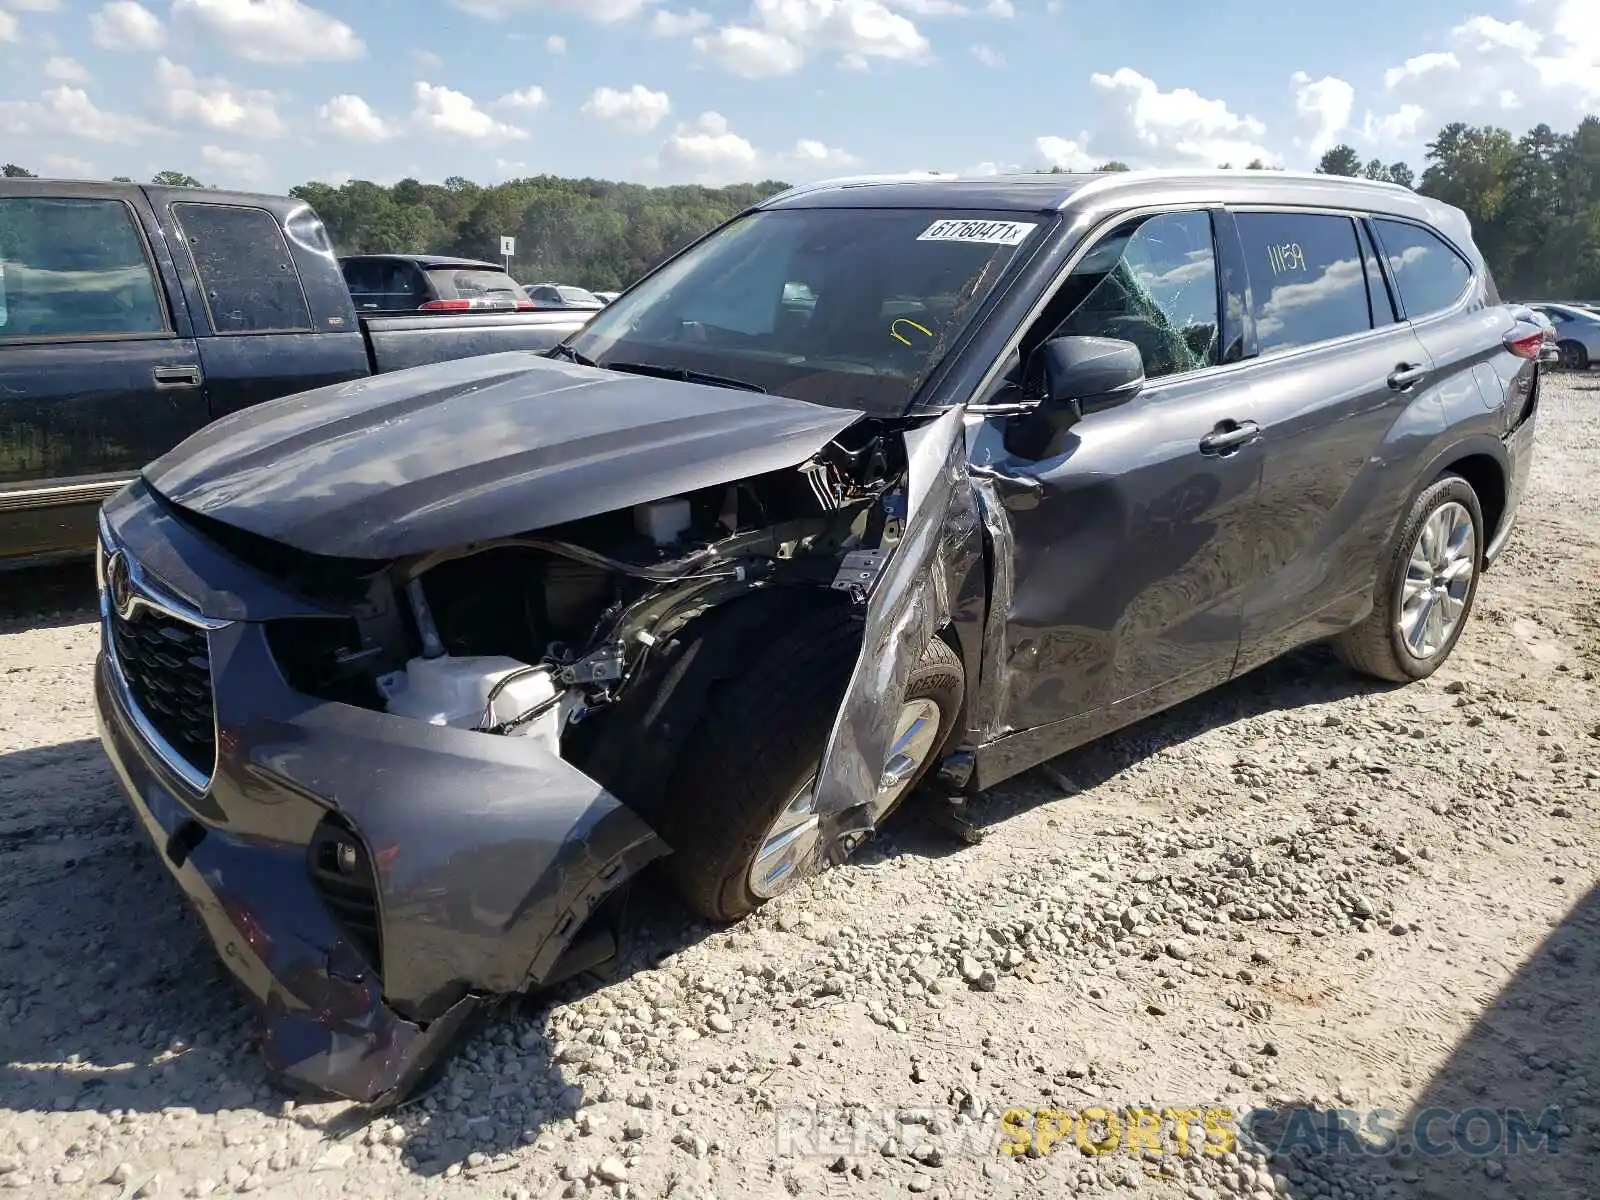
(168, 378)
(1405, 375)
(1229, 436)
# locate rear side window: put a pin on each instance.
(249, 280)
(470, 283)
(74, 268)
(1429, 274)
(1307, 281)
(384, 284)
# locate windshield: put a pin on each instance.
(851, 308)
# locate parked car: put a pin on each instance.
(1577, 334)
(558, 296)
(407, 680)
(429, 283)
(130, 316)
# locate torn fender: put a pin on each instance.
(909, 603)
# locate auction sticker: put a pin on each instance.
(992, 233)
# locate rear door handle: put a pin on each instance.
(1228, 436)
(169, 378)
(1405, 375)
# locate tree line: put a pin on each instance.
(1534, 204)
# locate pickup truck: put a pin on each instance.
(132, 316)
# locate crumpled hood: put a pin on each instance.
(477, 448)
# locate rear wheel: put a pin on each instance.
(1427, 589)
(739, 811)
(1573, 356)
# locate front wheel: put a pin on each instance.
(739, 811)
(1426, 592)
(1574, 357)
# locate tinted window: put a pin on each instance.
(1306, 278)
(893, 289)
(244, 265)
(73, 267)
(471, 283)
(1377, 290)
(378, 283)
(1429, 274)
(1152, 282)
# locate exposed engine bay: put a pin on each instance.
(530, 635)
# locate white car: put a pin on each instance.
(1577, 334)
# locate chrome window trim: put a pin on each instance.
(142, 593)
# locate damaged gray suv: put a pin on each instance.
(885, 481)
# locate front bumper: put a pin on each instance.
(487, 854)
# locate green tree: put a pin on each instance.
(121, 179)
(1402, 174)
(1113, 165)
(175, 179)
(12, 171)
(1339, 160)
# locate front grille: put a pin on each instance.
(341, 871)
(167, 665)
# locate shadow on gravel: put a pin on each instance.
(1304, 677)
(44, 597)
(1515, 1112)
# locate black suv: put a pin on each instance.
(880, 482)
(429, 283)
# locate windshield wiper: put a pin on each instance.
(684, 375)
(562, 350)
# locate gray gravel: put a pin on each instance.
(1301, 890)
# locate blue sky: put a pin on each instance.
(269, 93)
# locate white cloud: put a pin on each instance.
(34, 6)
(1400, 127)
(1544, 65)
(778, 36)
(1066, 153)
(351, 117)
(214, 103)
(751, 53)
(1178, 128)
(273, 31)
(126, 25)
(527, 99)
(64, 166)
(68, 112)
(602, 12)
(426, 59)
(508, 168)
(988, 56)
(233, 166)
(66, 70)
(555, 44)
(1000, 8)
(8, 27)
(667, 23)
(1323, 106)
(709, 151)
(636, 110)
(810, 157)
(447, 112)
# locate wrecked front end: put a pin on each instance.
(398, 789)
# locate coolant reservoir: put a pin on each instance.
(450, 690)
(663, 521)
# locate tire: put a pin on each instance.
(756, 750)
(1378, 646)
(1574, 357)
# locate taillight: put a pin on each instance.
(526, 306)
(446, 306)
(1526, 346)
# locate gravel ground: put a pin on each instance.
(1302, 893)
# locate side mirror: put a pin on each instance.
(1088, 374)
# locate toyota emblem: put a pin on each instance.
(119, 586)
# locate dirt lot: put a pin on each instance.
(1302, 893)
